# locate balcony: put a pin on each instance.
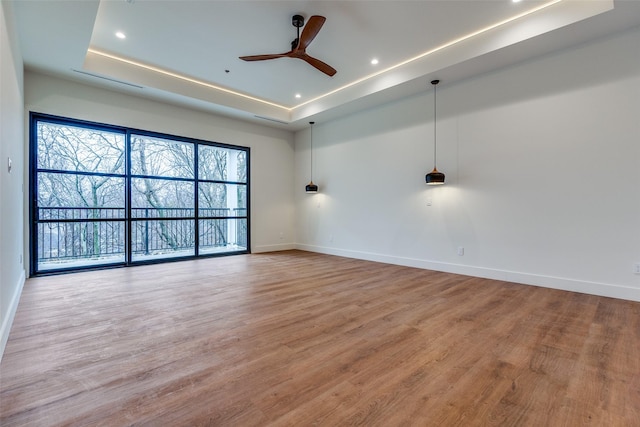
(73, 237)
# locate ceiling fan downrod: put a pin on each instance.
(298, 22)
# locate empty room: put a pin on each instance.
(296, 213)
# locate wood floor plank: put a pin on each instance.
(295, 338)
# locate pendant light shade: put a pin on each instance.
(311, 187)
(435, 177)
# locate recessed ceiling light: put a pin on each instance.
(516, 1)
(120, 35)
(374, 61)
(298, 95)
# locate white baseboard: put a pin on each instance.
(7, 320)
(561, 283)
(273, 248)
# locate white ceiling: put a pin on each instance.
(180, 50)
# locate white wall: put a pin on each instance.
(12, 273)
(272, 151)
(542, 164)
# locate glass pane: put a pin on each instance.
(241, 170)
(70, 148)
(80, 191)
(212, 199)
(161, 198)
(222, 164)
(77, 244)
(216, 200)
(222, 235)
(161, 157)
(153, 239)
(212, 163)
(241, 206)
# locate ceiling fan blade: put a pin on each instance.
(264, 57)
(310, 31)
(325, 68)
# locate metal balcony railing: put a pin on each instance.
(83, 233)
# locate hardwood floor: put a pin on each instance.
(300, 339)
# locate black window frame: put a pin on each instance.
(35, 118)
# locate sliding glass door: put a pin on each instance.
(105, 195)
(79, 202)
(162, 198)
(222, 199)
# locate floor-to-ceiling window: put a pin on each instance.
(107, 195)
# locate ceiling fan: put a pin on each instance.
(300, 44)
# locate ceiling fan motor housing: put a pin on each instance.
(297, 21)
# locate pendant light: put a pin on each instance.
(435, 177)
(311, 187)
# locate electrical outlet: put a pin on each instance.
(636, 268)
(460, 251)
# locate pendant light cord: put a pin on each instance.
(435, 143)
(311, 151)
